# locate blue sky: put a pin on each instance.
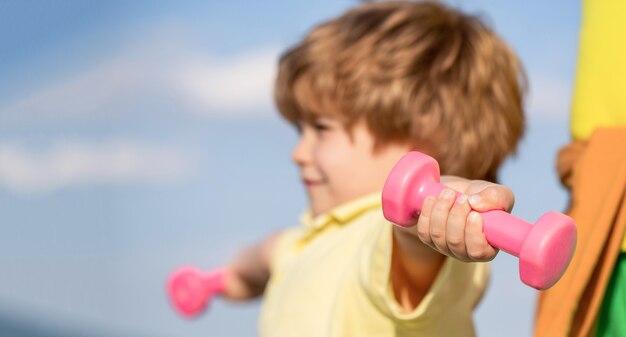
(139, 136)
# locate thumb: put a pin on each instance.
(492, 197)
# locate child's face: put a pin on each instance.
(337, 166)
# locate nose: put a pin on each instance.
(302, 152)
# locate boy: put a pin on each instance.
(363, 89)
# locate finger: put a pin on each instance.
(423, 222)
(477, 247)
(439, 219)
(455, 230)
(493, 197)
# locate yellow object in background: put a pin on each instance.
(600, 93)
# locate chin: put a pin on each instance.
(318, 210)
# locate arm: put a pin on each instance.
(191, 290)
(445, 228)
(249, 272)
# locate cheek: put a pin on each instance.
(346, 170)
(333, 160)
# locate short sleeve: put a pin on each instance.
(448, 305)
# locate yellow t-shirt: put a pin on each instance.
(330, 277)
(600, 92)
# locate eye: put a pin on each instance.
(321, 126)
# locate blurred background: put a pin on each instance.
(137, 136)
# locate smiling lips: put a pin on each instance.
(311, 182)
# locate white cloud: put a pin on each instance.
(242, 83)
(158, 65)
(64, 164)
(549, 98)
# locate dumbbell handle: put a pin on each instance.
(509, 238)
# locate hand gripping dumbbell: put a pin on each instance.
(544, 249)
(190, 290)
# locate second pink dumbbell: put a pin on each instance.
(544, 249)
(190, 290)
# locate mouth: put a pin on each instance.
(311, 182)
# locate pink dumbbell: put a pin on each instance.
(190, 290)
(544, 249)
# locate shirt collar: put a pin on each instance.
(341, 214)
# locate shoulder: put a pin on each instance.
(457, 287)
